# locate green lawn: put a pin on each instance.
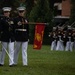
(43, 62)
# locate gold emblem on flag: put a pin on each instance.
(35, 46)
(38, 37)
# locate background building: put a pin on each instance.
(63, 11)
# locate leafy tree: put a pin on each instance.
(41, 13)
(72, 17)
(8, 3)
(51, 3)
(29, 5)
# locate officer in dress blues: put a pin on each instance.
(69, 39)
(7, 36)
(73, 38)
(60, 41)
(21, 35)
(53, 37)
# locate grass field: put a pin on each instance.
(43, 62)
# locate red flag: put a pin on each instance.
(39, 31)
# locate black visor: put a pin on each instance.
(21, 11)
(6, 11)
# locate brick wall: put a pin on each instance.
(66, 7)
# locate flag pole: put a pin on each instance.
(37, 23)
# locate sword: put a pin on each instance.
(7, 53)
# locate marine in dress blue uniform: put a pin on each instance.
(21, 35)
(60, 36)
(73, 38)
(7, 35)
(53, 37)
(69, 39)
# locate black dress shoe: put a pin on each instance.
(14, 64)
(25, 65)
(1, 64)
(11, 65)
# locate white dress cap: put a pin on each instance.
(21, 8)
(6, 9)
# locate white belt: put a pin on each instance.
(21, 29)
